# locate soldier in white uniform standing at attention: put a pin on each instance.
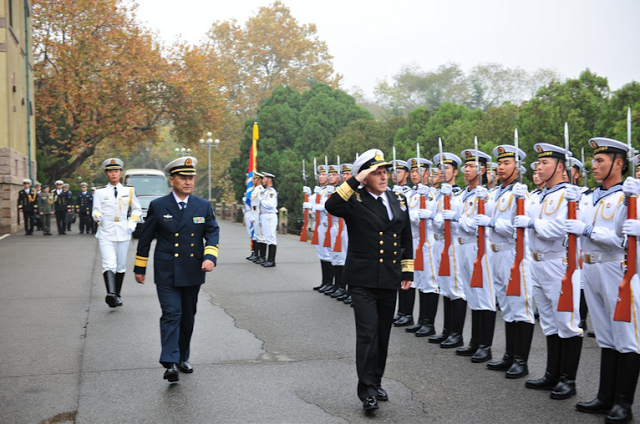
(259, 245)
(269, 218)
(117, 211)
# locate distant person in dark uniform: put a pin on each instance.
(63, 203)
(379, 261)
(28, 204)
(37, 217)
(71, 210)
(84, 207)
(45, 209)
(186, 249)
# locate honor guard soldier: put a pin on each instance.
(316, 206)
(246, 204)
(117, 210)
(28, 204)
(327, 221)
(269, 218)
(45, 208)
(376, 217)
(426, 280)
(186, 249)
(600, 226)
(259, 245)
(84, 208)
(517, 311)
(62, 205)
(451, 286)
(37, 217)
(544, 221)
(481, 300)
(70, 215)
(340, 243)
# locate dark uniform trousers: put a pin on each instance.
(379, 258)
(184, 240)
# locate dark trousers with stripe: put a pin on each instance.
(176, 324)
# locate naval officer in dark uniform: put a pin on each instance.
(379, 261)
(186, 249)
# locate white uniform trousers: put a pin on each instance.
(114, 255)
(417, 275)
(339, 258)
(428, 282)
(479, 298)
(601, 281)
(269, 227)
(257, 228)
(547, 283)
(324, 253)
(514, 308)
(451, 286)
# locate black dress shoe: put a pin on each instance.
(118, 300)
(547, 382)
(426, 330)
(483, 354)
(348, 301)
(111, 300)
(454, 340)
(325, 287)
(171, 373)
(518, 369)
(620, 413)
(331, 291)
(564, 389)
(341, 291)
(439, 338)
(370, 404)
(468, 350)
(413, 328)
(343, 297)
(185, 366)
(318, 287)
(382, 394)
(404, 321)
(502, 365)
(591, 334)
(596, 406)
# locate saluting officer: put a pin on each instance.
(84, 207)
(376, 217)
(117, 210)
(28, 204)
(544, 220)
(187, 248)
(269, 218)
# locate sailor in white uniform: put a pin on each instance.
(269, 218)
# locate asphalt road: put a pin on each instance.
(266, 349)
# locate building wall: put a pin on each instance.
(17, 123)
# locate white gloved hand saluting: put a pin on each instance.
(572, 193)
(446, 189)
(631, 186)
(520, 190)
(631, 227)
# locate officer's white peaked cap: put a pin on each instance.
(372, 158)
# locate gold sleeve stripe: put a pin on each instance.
(134, 218)
(141, 261)
(345, 191)
(210, 250)
(407, 265)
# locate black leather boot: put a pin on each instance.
(271, 257)
(400, 302)
(340, 287)
(471, 348)
(626, 382)
(119, 281)
(254, 251)
(603, 402)
(584, 311)
(262, 254)
(510, 340)
(348, 300)
(409, 301)
(327, 276)
(446, 330)
(431, 308)
(487, 329)
(110, 283)
(404, 321)
(524, 335)
(422, 299)
(552, 373)
(458, 314)
(322, 266)
(566, 387)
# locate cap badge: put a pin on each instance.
(594, 144)
(467, 154)
(188, 162)
(113, 161)
(378, 157)
(500, 150)
(539, 149)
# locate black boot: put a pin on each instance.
(524, 335)
(458, 314)
(487, 328)
(422, 314)
(119, 280)
(340, 287)
(603, 402)
(322, 268)
(327, 277)
(254, 251)
(584, 311)
(431, 305)
(552, 373)
(510, 341)
(400, 302)
(262, 254)
(446, 329)
(409, 302)
(471, 348)
(348, 300)
(271, 258)
(626, 381)
(566, 387)
(110, 283)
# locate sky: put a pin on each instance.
(371, 40)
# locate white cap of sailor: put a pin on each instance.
(534, 166)
(322, 169)
(333, 169)
(577, 164)
(546, 150)
(507, 151)
(469, 155)
(26, 181)
(608, 145)
(185, 166)
(635, 160)
(112, 164)
(346, 167)
(448, 158)
(59, 182)
(400, 164)
(419, 163)
(372, 158)
(268, 175)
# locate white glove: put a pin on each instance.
(572, 193)
(330, 189)
(481, 193)
(449, 215)
(520, 190)
(482, 220)
(397, 189)
(522, 221)
(631, 227)
(307, 205)
(631, 186)
(306, 190)
(446, 189)
(424, 213)
(318, 190)
(573, 226)
(318, 208)
(423, 190)
(97, 218)
(131, 227)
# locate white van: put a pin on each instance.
(149, 185)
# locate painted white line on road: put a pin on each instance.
(4, 236)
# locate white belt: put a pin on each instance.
(497, 247)
(115, 219)
(539, 257)
(594, 258)
(467, 240)
(439, 237)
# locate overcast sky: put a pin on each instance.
(371, 39)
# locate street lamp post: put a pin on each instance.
(208, 143)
